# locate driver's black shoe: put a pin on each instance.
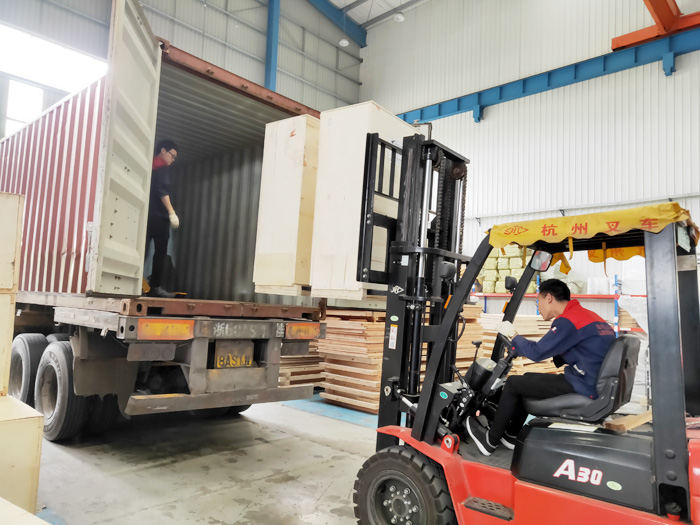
(480, 436)
(508, 441)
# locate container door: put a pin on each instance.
(118, 234)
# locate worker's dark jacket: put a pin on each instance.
(578, 338)
(160, 187)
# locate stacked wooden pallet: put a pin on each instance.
(352, 358)
(352, 354)
(302, 369)
(532, 327)
(625, 320)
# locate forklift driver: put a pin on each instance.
(578, 338)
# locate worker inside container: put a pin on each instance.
(578, 338)
(161, 215)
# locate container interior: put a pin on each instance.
(215, 186)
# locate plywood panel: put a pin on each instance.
(286, 213)
(11, 209)
(339, 194)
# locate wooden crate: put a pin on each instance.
(285, 217)
(339, 184)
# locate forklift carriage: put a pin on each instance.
(565, 468)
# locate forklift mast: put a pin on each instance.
(422, 262)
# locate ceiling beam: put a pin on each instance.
(389, 13)
(340, 19)
(353, 5)
(668, 19)
(665, 13)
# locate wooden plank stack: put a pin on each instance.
(302, 369)
(625, 320)
(352, 354)
(352, 358)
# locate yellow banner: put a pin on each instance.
(557, 229)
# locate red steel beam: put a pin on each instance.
(243, 86)
(665, 13)
(647, 34)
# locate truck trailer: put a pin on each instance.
(88, 343)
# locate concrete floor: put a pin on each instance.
(283, 463)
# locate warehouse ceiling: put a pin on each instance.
(205, 118)
(370, 12)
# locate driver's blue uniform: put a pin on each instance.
(578, 338)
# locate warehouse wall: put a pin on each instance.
(605, 143)
(312, 68)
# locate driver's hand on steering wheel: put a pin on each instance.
(507, 329)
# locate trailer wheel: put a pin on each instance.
(234, 411)
(103, 414)
(24, 361)
(64, 412)
(57, 337)
(401, 485)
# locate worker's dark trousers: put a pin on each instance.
(158, 229)
(511, 413)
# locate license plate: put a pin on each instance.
(233, 354)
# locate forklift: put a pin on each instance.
(566, 468)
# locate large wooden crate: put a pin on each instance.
(21, 427)
(286, 213)
(21, 431)
(339, 185)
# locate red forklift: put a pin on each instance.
(566, 468)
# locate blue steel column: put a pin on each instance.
(273, 38)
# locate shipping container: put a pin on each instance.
(85, 167)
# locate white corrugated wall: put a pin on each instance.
(610, 142)
(312, 68)
(449, 48)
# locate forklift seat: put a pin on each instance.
(614, 387)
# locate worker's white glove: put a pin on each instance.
(174, 221)
(507, 329)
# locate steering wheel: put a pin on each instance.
(504, 347)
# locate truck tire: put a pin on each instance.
(64, 412)
(103, 414)
(24, 361)
(400, 484)
(57, 337)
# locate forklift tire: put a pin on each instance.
(57, 337)
(234, 411)
(24, 361)
(103, 414)
(398, 485)
(64, 412)
(210, 413)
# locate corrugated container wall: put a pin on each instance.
(215, 245)
(312, 68)
(53, 162)
(614, 141)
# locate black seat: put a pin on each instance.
(614, 387)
